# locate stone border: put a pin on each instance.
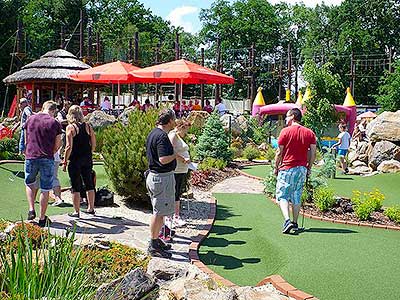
(326, 219)
(276, 280)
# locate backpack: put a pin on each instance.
(104, 197)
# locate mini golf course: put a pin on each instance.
(388, 184)
(330, 261)
(13, 203)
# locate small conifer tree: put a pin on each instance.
(214, 141)
(124, 152)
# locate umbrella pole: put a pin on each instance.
(181, 95)
(119, 93)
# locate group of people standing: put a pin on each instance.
(43, 135)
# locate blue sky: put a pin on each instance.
(185, 13)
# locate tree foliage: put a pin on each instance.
(124, 152)
(214, 141)
(389, 91)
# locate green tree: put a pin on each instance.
(389, 91)
(214, 141)
(124, 153)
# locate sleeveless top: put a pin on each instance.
(81, 148)
(181, 148)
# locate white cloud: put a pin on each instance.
(176, 17)
(309, 3)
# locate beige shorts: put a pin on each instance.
(161, 187)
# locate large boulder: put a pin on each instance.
(382, 151)
(389, 166)
(242, 121)
(132, 286)
(99, 119)
(230, 121)
(361, 170)
(386, 127)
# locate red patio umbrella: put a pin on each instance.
(114, 72)
(367, 115)
(183, 72)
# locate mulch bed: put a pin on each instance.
(205, 180)
(343, 211)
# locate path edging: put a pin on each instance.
(326, 219)
(276, 280)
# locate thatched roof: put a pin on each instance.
(55, 65)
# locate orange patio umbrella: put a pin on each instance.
(183, 72)
(115, 72)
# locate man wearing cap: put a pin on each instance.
(26, 112)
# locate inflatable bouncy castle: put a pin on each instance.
(281, 108)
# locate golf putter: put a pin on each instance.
(13, 177)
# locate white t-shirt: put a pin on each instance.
(182, 149)
(345, 138)
(221, 108)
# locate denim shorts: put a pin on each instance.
(43, 167)
(289, 185)
(342, 152)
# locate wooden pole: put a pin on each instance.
(136, 62)
(81, 35)
(89, 47)
(62, 37)
(296, 78)
(218, 66)
(130, 51)
(280, 81)
(202, 85)
(289, 68)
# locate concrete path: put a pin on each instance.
(239, 184)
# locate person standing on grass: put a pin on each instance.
(26, 112)
(293, 161)
(160, 181)
(181, 171)
(43, 140)
(81, 142)
(343, 146)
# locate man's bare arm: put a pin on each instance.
(278, 158)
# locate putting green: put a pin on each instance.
(13, 203)
(330, 261)
(344, 185)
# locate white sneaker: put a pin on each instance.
(179, 222)
(58, 202)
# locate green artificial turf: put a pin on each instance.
(13, 203)
(344, 185)
(330, 261)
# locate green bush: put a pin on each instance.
(210, 163)
(366, 203)
(214, 141)
(9, 149)
(258, 130)
(251, 152)
(52, 271)
(393, 213)
(324, 198)
(99, 139)
(236, 152)
(270, 182)
(124, 153)
(270, 153)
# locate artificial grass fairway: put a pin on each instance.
(13, 203)
(330, 261)
(344, 185)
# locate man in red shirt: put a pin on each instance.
(293, 162)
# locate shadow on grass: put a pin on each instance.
(224, 213)
(222, 229)
(343, 178)
(14, 174)
(326, 230)
(228, 262)
(220, 242)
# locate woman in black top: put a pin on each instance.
(81, 142)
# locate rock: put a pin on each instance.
(123, 117)
(264, 292)
(234, 125)
(198, 118)
(352, 156)
(358, 163)
(382, 151)
(385, 127)
(133, 285)
(263, 147)
(163, 269)
(3, 237)
(243, 123)
(99, 119)
(389, 166)
(359, 170)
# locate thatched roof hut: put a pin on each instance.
(55, 65)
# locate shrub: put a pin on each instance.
(324, 198)
(270, 153)
(258, 130)
(33, 233)
(210, 163)
(236, 152)
(110, 264)
(50, 272)
(124, 153)
(251, 152)
(99, 139)
(9, 149)
(270, 182)
(214, 141)
(393, 213)
(366, 203)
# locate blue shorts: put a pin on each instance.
(289, 185)
(342, 152)
(42, 166)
